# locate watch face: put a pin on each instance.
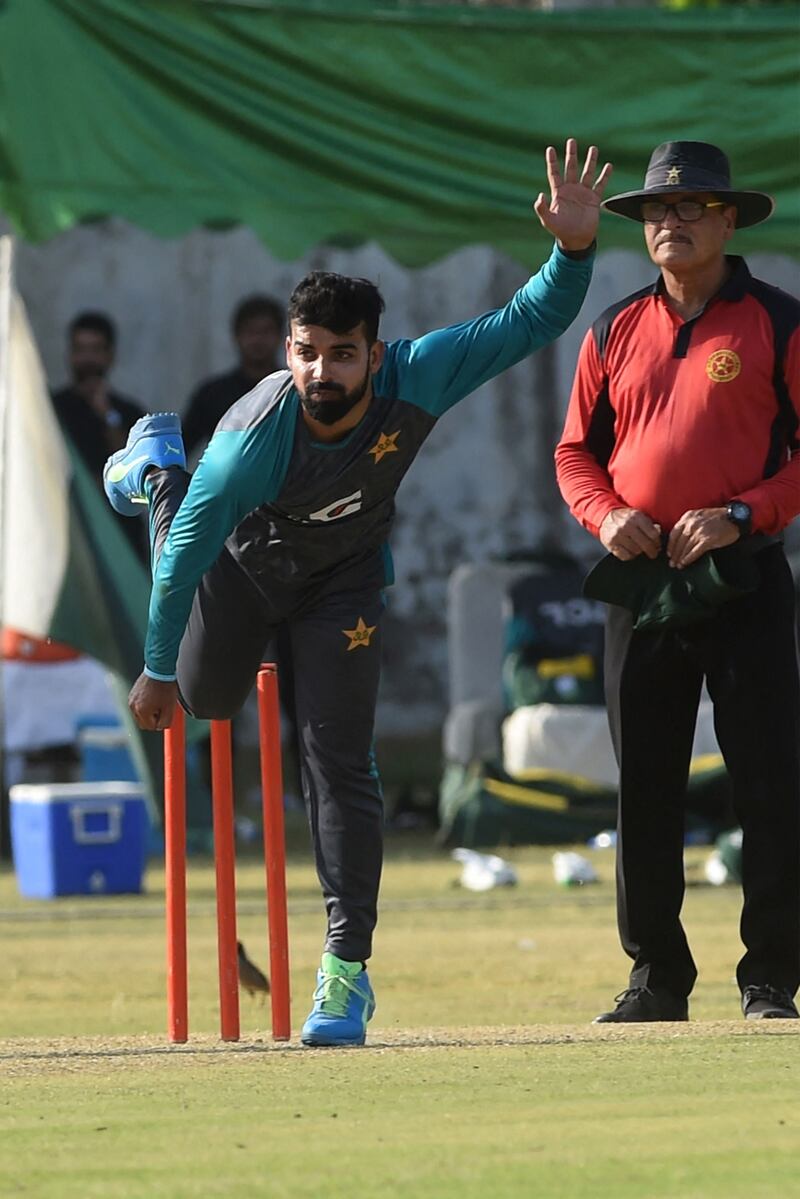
(739, 512)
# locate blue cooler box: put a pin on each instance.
(78, 838)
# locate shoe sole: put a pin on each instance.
(659, 1020)
(772, 1016)
(314, 1043)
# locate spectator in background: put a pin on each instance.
(257, 328)
(95, 418)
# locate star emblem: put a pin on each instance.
(674, 175)
(723, 366)
(385, 445)
(360, 635)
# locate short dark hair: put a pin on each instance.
(94, 322)
(337, 302)
(257, 306)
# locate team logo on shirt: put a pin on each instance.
(360, 635)
(723, 365)
(339, 508)
(385, 445)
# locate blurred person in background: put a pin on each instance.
(96, 418)
(680, 453)
(257, 327)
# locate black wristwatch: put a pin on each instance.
(740, 514)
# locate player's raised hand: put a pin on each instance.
(573, 211)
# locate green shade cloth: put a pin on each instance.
(340, 121)
(658, 595)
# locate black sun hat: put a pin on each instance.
(692, 167)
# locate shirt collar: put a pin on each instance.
(735, 287)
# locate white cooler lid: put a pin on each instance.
(46, 793)
(103, 736)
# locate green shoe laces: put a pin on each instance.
(337, 982)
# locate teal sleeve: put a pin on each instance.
(240, 470)
(437, 370)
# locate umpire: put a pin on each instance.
(680, 453)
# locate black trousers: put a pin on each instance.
(747, 654)
(335, 694)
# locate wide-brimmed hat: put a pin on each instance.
(692, 167)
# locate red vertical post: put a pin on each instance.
(225, 864)
(269, 728)
(175, 870)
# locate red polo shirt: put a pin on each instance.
(669, 415)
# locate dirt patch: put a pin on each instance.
(21, 1056)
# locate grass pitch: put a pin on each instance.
(482, 1076)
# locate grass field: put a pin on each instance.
(482, 1076)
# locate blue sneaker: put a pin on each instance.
(155, 440)
(343, 1003)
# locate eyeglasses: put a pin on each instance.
(654, 211)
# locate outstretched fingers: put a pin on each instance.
(541, 205)
(589, 166)
(572, 209)
(602, 179)
(570, 175)
(571, 161)
(553, 169)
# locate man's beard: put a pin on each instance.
(329, 411)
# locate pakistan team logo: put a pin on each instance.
(723, 365)
(360, 635)
(385, 445)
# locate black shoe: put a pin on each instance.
(641, 1004)
(768, 1003)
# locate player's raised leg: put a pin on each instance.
(154, 441)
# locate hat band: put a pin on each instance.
(689, 178)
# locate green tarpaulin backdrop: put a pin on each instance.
(422, 128)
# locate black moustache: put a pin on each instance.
(316, 389)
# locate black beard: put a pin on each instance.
(329, 412)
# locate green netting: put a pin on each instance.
(421, 128)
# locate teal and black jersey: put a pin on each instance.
(331, 519)
(302, 518)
